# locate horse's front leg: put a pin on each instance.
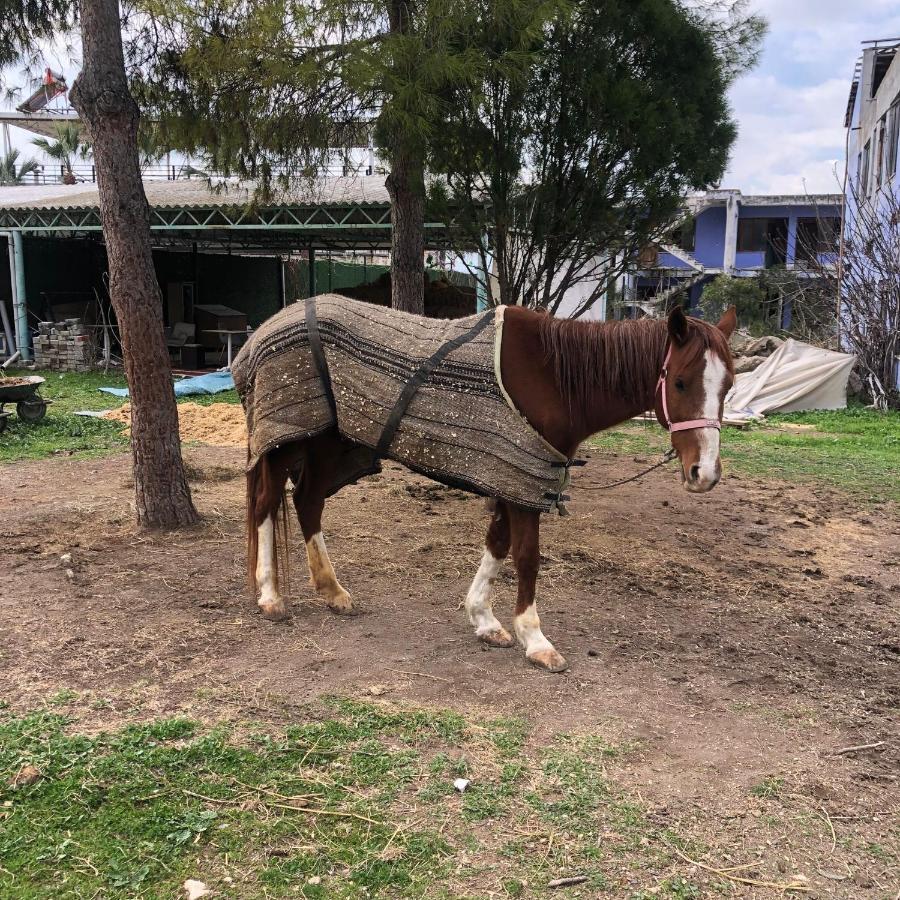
(525, 535)
(478, 600)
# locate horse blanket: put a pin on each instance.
(458, 425)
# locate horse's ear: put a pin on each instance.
(678, 325)
(728, 322)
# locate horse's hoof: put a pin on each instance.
(274, 610)
(499, 637)
(342, 605)
(549, 660)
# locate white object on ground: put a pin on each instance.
(795, 377)
(194, 889)
(461, 784)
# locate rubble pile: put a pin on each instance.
(751, 352)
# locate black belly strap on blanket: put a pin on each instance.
(419, 378)
(318, 355)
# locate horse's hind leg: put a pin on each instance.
(478, 600)
(265, 492)
(309, 501)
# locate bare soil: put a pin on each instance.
(733, 641)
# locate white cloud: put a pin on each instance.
(790, 110)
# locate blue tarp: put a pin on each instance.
(213, 383)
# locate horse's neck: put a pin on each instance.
(529, 377)
(606, 408)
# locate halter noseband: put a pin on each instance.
(690, 424)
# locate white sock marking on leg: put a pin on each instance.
(265, 562)
(321, 569)
(478, 600)
(528, 631)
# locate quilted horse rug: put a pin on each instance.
(425, 392)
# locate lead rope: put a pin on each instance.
(670, 455)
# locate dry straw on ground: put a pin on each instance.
(221, 424)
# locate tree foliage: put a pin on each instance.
(746, 295)
(270, 90)
(64, 147)
(12, 171)
(26, 26)
(578, 133)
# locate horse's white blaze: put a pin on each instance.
(265, 562)
(714, 375)
(478, 600)
(528, 631)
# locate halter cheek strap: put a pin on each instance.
(690, 424)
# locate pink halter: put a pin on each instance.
(690, 424)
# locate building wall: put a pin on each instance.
(59, 266)
(56, 267)
(249, 284)
(867, 113)
(709, 240)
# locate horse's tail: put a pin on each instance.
(265, 497)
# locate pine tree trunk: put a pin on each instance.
(101, 96)
(406, 188)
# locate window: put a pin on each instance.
(751, 236)
(892, 137)
(879, 150)
(862, 184)
(817, 235)
(685, 234)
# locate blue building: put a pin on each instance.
(873, 120)
(727, 233)
(873, 173)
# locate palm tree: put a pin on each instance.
(11, 172)
(67, 144)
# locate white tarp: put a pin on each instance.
(795, 377)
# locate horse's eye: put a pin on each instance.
(679, 385)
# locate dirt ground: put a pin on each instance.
(735, 641)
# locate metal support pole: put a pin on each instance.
(7, 327)
(482, 278)
(21, 307)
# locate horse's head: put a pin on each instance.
(696, 377)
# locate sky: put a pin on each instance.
(790, 108)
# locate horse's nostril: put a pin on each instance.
(695, 472)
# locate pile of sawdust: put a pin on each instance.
(222, 424)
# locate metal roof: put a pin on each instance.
(329, 213)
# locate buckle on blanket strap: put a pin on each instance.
(558, 497)
(559, 501)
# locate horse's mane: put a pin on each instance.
(619, 358)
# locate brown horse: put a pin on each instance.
(570, 380)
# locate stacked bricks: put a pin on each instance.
(65, 346)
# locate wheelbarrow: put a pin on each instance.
(30, 405)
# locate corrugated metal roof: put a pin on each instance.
(196, 193)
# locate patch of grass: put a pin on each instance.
(61, 431)
(355, 800)
(63, 697)
(855, 449)
(769, 788)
